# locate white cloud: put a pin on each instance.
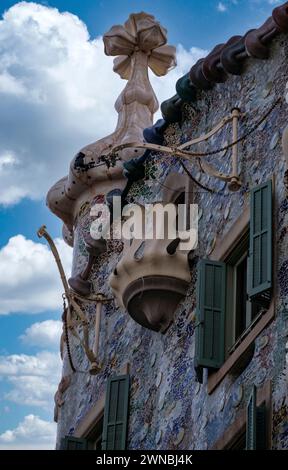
(33, 380)
(7, 159)
(31, 390)
(57, 92)
(265, 4)
(23, 364)
(32, 433)
(9, 85)
(221, 7)
(29, 280)
(44, 334)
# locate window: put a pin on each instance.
(251, 428)
(93, 441)
(95, 437)
(231, 294)
(256, 423)
(110, 430)
(116, 413)
(241, 311)
(73, 443)
(178, 189)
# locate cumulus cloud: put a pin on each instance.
(40, 364)
(221, 7)
(57, 92)
(44, 334)
(31, 391)
(29, 281)
(33, 379)
(32, 433)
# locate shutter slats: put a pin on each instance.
(251, 421)
(261, 429)
(256, 430)
(73, 443)
(116, 413)
(260, 256)
(211, 296)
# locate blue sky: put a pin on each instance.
(190, 22)
(53, 101)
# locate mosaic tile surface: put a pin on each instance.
(168, 408)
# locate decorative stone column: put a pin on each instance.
(138, 45)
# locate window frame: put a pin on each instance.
(221, 252)
(238, 427)
(231, 288)
(235, 258)
(94, 436)
(87, 426)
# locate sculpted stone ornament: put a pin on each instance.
(80, 283)
(140, 36)
(138, 45)
(152, 277)
(58, 397)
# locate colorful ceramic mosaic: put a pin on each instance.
(169, 409)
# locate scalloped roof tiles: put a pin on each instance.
(224, 60)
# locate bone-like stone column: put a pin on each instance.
(137, 45)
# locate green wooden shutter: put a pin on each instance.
(256, 424)
(210, 326)
(73, 443)
(251, 421)
(116, 413)
(260, 250)
(261, 429)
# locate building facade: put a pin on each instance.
(182, 349)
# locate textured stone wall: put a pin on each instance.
(168, 408)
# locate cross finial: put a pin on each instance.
(141, 32)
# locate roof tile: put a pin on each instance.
(226, 59)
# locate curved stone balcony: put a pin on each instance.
(151, 279)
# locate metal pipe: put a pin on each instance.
(97, 328)
(234, 184)
(235, 116)
(95, 365)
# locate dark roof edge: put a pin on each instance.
(224, 60)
